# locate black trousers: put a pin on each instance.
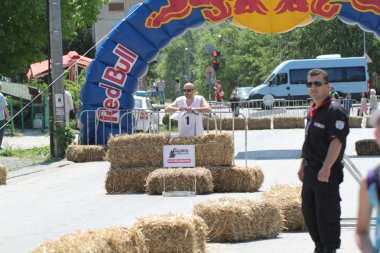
(321, 207)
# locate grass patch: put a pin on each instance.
(36, 154)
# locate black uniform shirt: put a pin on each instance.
(329, 122)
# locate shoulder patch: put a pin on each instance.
(339, 124)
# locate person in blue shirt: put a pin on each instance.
(4, 115)
(368, 200)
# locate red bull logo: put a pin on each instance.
(259, 15)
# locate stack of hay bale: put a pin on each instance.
(236, 123)
(3, 174)
(288, 198)
(367, 147)
(161, 233)
(288, 122)
(85, 153)
(137, 161)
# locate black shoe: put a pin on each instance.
(330, 251)
(318, 250)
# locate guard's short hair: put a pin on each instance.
(316, 72)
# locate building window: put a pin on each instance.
(116, 7)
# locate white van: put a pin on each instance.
(288, 80)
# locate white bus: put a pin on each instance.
(288, 80)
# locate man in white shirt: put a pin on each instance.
(4, 115)
(189, 108)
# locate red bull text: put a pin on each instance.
(116, 75)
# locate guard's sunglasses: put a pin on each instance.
(187, 90)
(316, 84)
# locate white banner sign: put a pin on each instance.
(179, 156)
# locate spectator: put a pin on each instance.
(153, 90)
(369, 199)
(189, 108)
(347, 103)
(363, 105)
(177, 88)
(4, 115)
(69, 106)
(372, 101)
(161, 90)
(219, 93)
(333, 94)
(235, 103)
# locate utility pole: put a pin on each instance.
(58, 98)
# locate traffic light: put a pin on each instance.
(216, 53)
(215, 64)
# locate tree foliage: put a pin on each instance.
(24, 32)
(248, 58)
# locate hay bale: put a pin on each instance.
(181, 141)
(236, 179)
(239, 124)
(112, 240)
(85, 153)
(257, 124)
(288, 198)
(288, 122)
(214, 149)
(231, 220)
(3, 174)
(137, 150)
(173, 233)
(211, 123)
(181, 179)
(355, 122)
(131, 180)
(367, 147)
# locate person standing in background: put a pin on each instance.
(347, 104)
(363, 105)
(153, 90)
(372, 101)
(4, 115)
(219, 93)
(161, 90)
(177, 87)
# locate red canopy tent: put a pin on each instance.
(72, 60)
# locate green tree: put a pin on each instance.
(23, 29)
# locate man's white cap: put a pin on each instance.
(375, 118)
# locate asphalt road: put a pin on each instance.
(45, 202)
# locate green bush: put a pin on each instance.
(165, 121)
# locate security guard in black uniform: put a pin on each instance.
(321, 169)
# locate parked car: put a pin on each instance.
(243, 92)
(145, 117)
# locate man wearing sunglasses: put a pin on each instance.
(188, 109)
(321, 170)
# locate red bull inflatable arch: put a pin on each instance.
(123, 57)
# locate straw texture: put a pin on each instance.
(112, 240)
(288, 198)
(85, 153)
(231, 220)
(131, 180)
(181, 179)
(236, 179)
(171, 233)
